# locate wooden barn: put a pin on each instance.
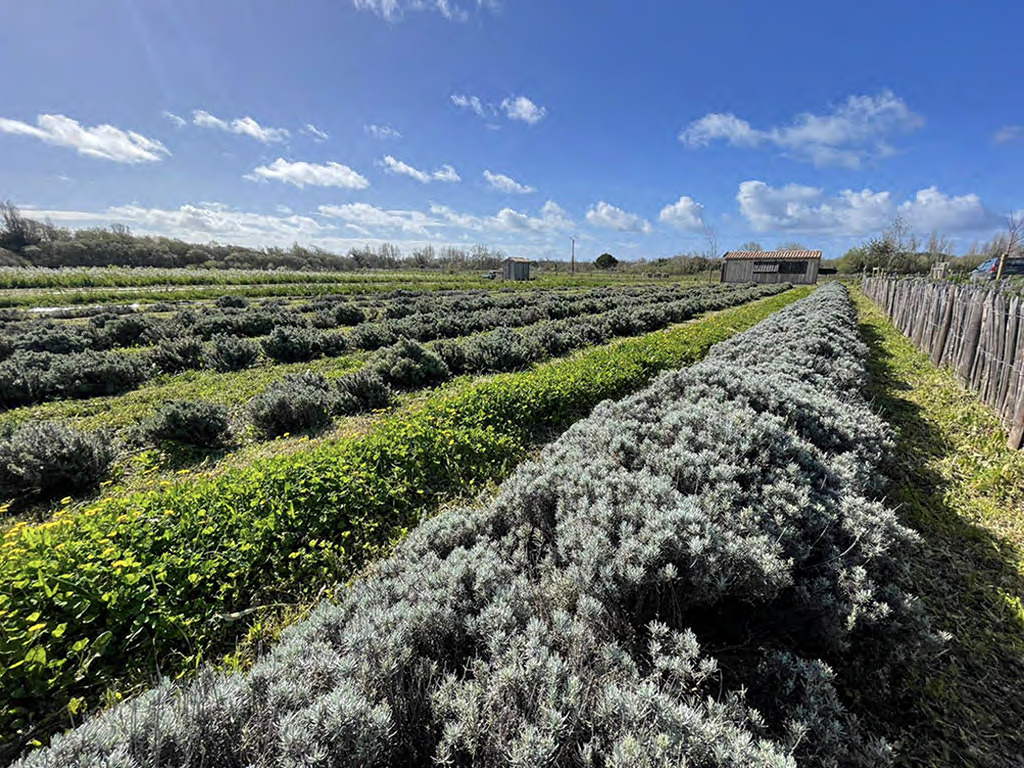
(800, 267)
(515, 269)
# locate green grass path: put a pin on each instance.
(956, 483)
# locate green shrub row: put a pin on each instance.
(307, 403)
(59, 365)
(105, 596)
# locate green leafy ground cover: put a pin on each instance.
(232, 388)
(105, 597)
(954, 480)
(50, 288)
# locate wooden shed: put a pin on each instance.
(515, 269)
(800, 267)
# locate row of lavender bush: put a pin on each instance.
(688, 576)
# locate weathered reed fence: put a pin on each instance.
(976, 331)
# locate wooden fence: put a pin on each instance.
(976, 331)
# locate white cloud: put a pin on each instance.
(552, 219)
(799, 208)
(202, 222)
(364, 216)
(503, 183)
(931, 210)
(179, 122)
(102, 141)
(382, 132)
(445, 173)
(315, 132)
(301, 173)
(555, 217)
(796, 208)
(1009, 133)
(513, 107)
(335, 227)
(609, 217)
(855, 131)
(471, 103)
(715, 126)
(521, 108)
(686, 214)
(393, 10)
(243, 126)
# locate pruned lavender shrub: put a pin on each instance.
(47, 460)
(196, 423)
(231, 353)
(361, 391)
(299, 402)
(410, 365)
(292, 344)
(685, 577)
(177, 354)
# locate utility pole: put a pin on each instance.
(573, 256)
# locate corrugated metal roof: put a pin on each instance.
(773, 255)
(518, 260)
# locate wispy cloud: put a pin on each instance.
(382, 132)
(472, 103)
(243, 126)
(103, 141)
(608, 216)
(520, 108)
(445, 173)
(857, 130)
(303, 174)
(316, 133)
(503, 183)
(177, 120)
(393, 10)
(1009, 133)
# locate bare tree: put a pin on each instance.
(711, 241)
(752, 245)
(791, 245)
(1014, 234)
(901, 236)
(939, 245)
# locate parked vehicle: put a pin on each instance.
(987, 270)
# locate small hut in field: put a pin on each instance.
(515, 269)
(800, 267)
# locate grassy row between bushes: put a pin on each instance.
(106, 596)
(955, 481)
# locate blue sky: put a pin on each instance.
(515, 123)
